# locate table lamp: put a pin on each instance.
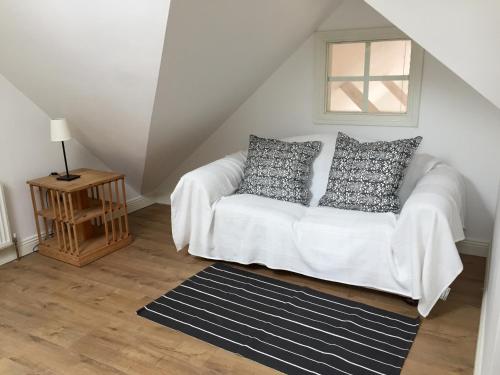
(59, 132)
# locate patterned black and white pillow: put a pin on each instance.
(278, 169)
(367, 176)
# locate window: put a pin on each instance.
(367, 77)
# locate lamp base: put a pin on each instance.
(68, 177)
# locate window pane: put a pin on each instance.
(390, 58)
(346, 59)
(345, 96)
(388, 96)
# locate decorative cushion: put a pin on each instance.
(367, 176)
(278, 169)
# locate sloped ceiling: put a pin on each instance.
(142, 100)
(94, 62)
(216, 54)
(463, 35)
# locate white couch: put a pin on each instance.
(412, 254)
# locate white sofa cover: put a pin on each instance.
(411, 254)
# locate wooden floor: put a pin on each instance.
(59, 319)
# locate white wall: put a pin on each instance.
(94, 62)
(26, 152)
(457, 124)
(216, 54)
(463, 35)
(488, 345)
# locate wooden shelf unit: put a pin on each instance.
(83, 219)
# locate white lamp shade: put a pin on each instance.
(59, 130)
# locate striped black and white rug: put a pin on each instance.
(284, 326)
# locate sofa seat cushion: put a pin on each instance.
(338, 222)
(255, 229)
(334, 244)
(245, 206)
(349, 245)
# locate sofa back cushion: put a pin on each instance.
(279, 170)
(322, 163)
(367, 176)
(419, 166)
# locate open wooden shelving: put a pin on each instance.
(81, 215)
(84, 219)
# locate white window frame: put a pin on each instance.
(324, 117)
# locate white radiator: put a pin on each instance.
(5, 234)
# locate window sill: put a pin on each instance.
(368, 119)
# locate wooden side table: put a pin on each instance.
(88, 215)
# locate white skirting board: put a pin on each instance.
(27, 245)
(138, 203)
(472, 247)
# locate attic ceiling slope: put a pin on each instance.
(463, 35)
(94, 62)
(216, 54)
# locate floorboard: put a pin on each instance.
(60, 319)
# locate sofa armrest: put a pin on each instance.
(196, 193)
(441, 190)
(430, 223)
